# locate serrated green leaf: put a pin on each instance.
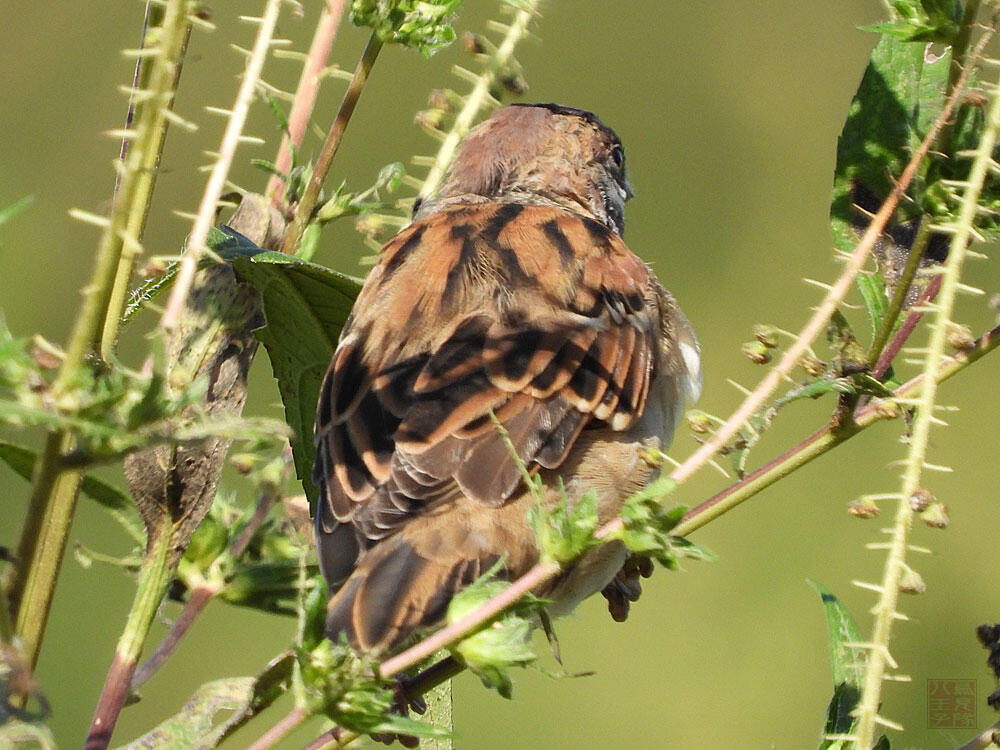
(565, 531)
(504, 644)
(899, 96)
(306, 306)
(847, 663)
(872, 288)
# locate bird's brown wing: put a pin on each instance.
(535, 314)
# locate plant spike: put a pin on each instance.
(916, 463)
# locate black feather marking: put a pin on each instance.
(591, 376)
(463, 347)
(338, 548)
(558, 238)
(518, 350)
(346, 383)
(514, 273)
(503, 216)
(466, 255)
(429, 413)
(554, 449)
(401, 254)
(598, 232)
(350, 470)
(371, 429)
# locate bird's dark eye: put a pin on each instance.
(618, 156)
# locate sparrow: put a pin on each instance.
(511, 294)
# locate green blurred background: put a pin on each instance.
(729, 112)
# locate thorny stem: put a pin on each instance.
(310, 197)
(30, 585)
(545, 571)
(895, 566)
(150, 148)
(305, 95)
(217, 180)
(822, 441)
(115, 238)
(476, 99)
(154, 577)
(818, 322)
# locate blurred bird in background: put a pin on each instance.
(512, 293)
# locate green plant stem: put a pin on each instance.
(310, 197)
(895, 566)
(899, 295)
(154, 577)
(905, 329)
(439, 708)
(200, 596)
(151, 137)
(821, 442)
(31, 584)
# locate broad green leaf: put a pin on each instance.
(847, 663)
(899, 96)
(872, 288)
(306, 306)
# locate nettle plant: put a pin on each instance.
(916, 184)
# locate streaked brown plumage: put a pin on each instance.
(511, 292)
